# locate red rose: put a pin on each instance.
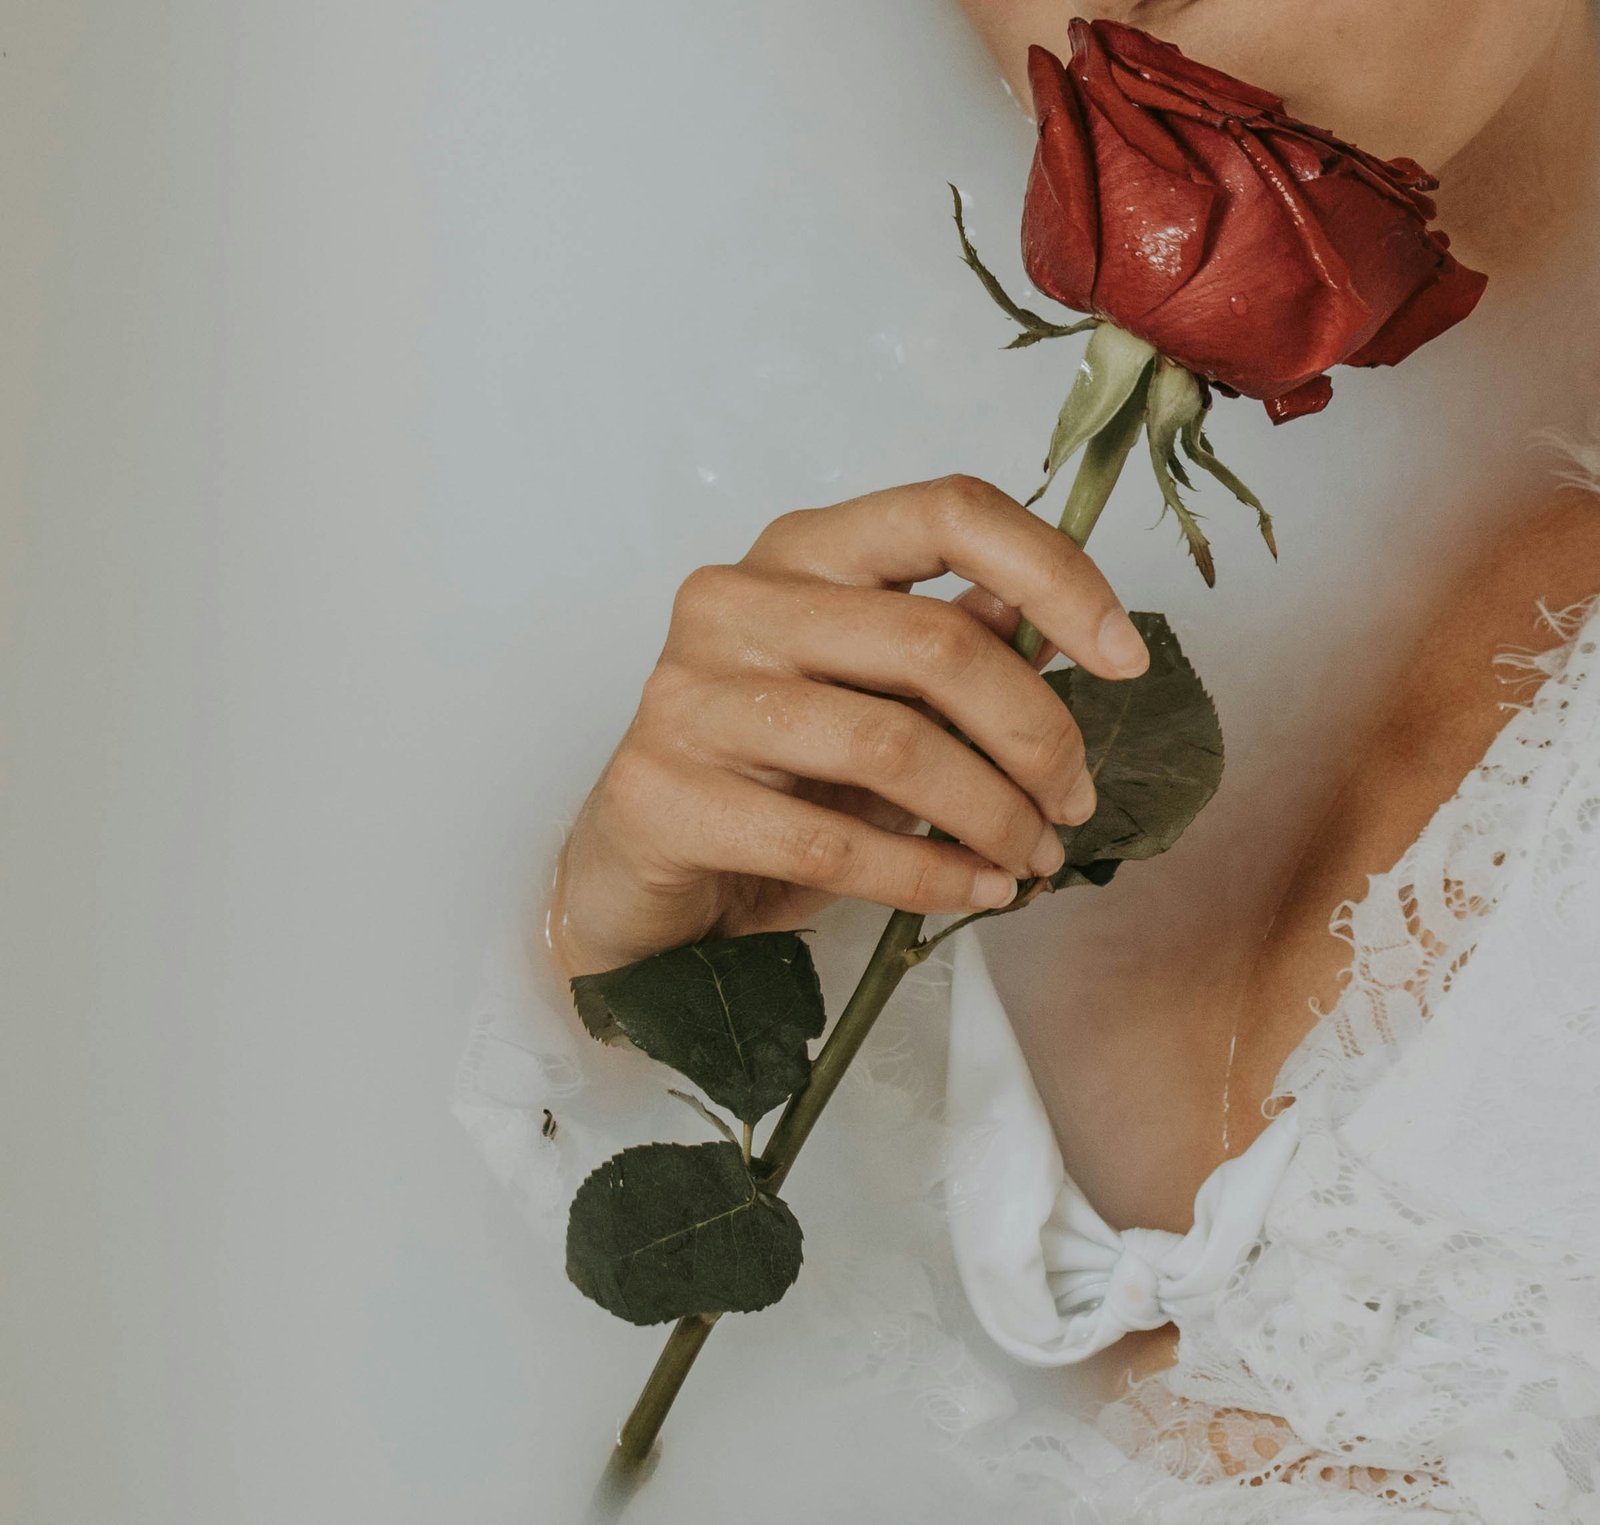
(1184, 206)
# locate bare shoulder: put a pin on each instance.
(1436, 725)
(1547, 553)
(1546, 556)
(1440, 718)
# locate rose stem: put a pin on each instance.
(890, 961)
(1102, 463)
(897, 952)
(641, 1427)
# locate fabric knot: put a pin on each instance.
(1050, 1280)
(1133, 1290)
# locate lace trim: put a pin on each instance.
(1361, 1284)
(1235, 1414)
(1414, 931)
(1352, 1266)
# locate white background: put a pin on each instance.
(372, 370)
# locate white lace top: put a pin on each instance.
(1389, 1305)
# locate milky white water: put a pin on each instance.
(375, 368)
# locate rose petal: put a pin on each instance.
(1094, 77)
(1310, 397)
(1292, 199)
(1377, 173)
(1060, 220)
(1259, 251)
(1162, 195)
(1438, 304)
(1385, 250)
(1409, 172)
(1259, 337)
(1165, 60)
(1152, 95)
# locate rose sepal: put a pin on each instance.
(1198, 448)
(1115, 365)
(1123, 384)
(1034, 328)
(1174, 401)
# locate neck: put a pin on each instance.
(1527, 180)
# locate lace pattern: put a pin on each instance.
(1414, 1335)
(1418, 1333)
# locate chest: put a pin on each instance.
(1165, 1005)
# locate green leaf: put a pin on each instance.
(1036, 328)
(733, 1015)
(1154, 748)
(1092, 875)
(1114, 366)
(661, 1231)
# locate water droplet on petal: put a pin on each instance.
(1240, 305)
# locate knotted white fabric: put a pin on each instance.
(1049, 1279)
(1388, 1304)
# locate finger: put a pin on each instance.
(923, 648)
(962, 525)
(1002, 618)
(818, 731)
(746, 828)
(861, 803)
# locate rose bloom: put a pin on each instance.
(1184, 206)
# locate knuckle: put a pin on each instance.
(1061, 573)
(635, 784)
(665, 695)
(1054, 750)
(960, 495)
(924, 884)
(943, 642)
(785, 530)
(817, 854)
(886, 746)
(705, 593)
(1017, 824)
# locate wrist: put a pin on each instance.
(570, 953)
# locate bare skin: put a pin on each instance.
(708, 815)
(793, 729)
(788, 743)
(1429, 733)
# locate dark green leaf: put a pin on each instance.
(665, 1230)
(1154, 748)
(1095, 875)
(734, 1016)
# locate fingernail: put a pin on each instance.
(1049, 855)
(1121, 644)
(1081, 801)
(993, 889)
